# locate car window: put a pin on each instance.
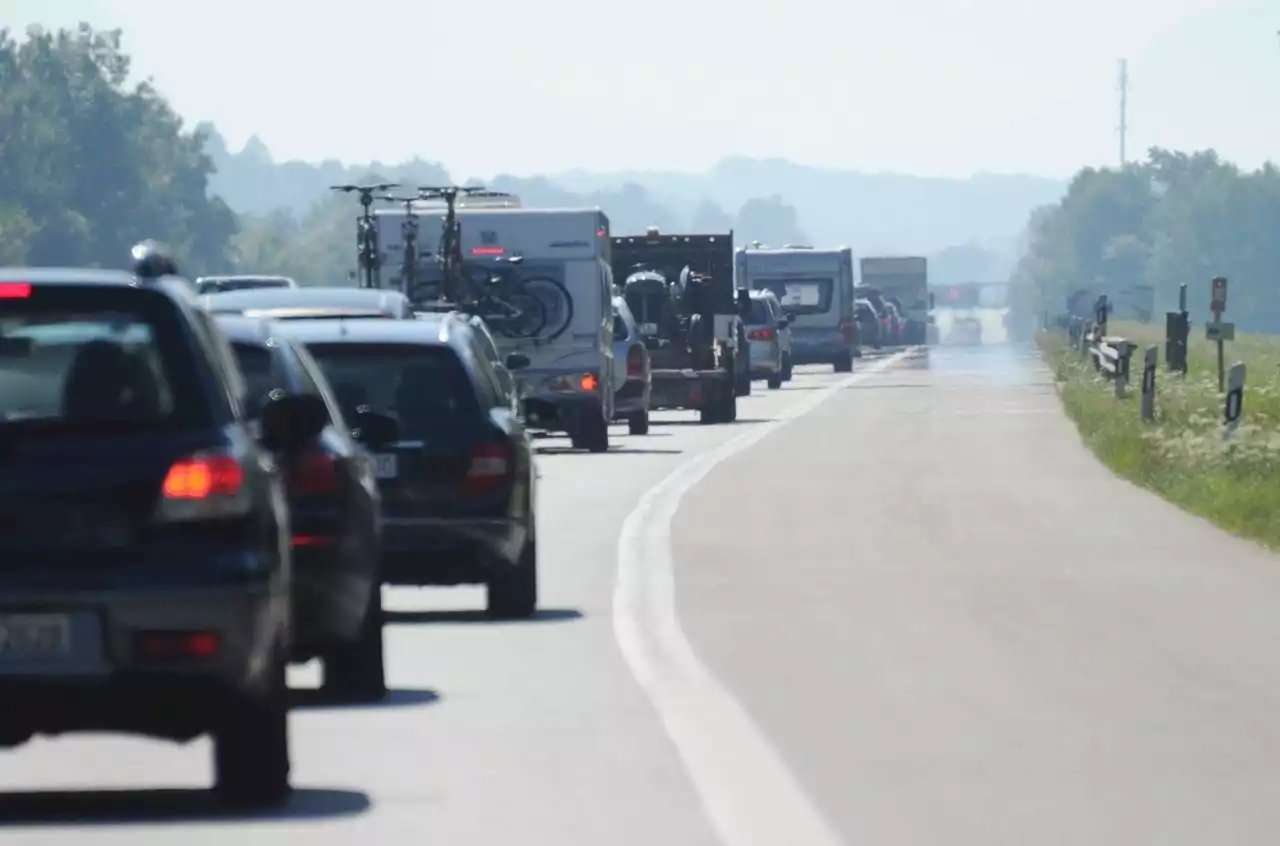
(426, 387)
(262, 375)
(619, 328)
(760, 315)
(313, 381)
(98, 358)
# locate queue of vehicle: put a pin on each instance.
(297, 448)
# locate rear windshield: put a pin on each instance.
(96, 358)
(424, 387)
(799, 295)
(258, 365)
(760, 313)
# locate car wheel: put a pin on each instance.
(786, 368)
(592, 431)
(251, 746)
(513, 592)
(844, 363)
(357, 671)
(775, 381)
(638, 422)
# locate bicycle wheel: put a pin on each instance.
(529, 320)
(557, 303)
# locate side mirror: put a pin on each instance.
(517, 361)
(372, 428)
(290, 421)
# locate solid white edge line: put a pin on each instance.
(746, 789)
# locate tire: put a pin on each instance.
(712, 409)
(786, 368)
(730, 413)
(532, 320)
(592, 432)
(742, 383)
(638, 422)
(357, 671)
(513, 592)
(775, 381)
(844, 363)
(549, 292)
(251, 746)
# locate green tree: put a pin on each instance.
(90, 165)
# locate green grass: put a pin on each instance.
(1182, 455)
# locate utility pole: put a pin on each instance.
(1124, 111)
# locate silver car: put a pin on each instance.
(769, 339)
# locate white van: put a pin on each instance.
(571, 379)
(815, 288)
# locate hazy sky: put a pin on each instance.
(945, 87)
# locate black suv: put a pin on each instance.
(145, 560)
(334, 514)
(457, 473)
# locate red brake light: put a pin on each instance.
(203, 477)
(15, 290)
(169, 645)
(848, 327)
(635, 363)
(490, 464)
(313, 473)
(765, 334)
(487, 251)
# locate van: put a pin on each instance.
(815, 288)
(570, 380)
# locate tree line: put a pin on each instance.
(1137, 234)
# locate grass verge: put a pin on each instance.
(1182, 455)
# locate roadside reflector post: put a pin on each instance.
(1234, 404)
(1149, 384)
(1217, 331)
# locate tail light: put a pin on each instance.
(313, 473)
(635, 362)
(847, 328)
(490, 466)
(204, 486)
(765, 334)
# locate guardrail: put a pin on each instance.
(1111, 356)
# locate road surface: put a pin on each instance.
(935, 619)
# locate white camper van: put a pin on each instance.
(570, 382)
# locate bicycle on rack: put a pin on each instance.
(503, 298)
(367, 257)
(409, 255)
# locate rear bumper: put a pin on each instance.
(685, 389)
(448, 551)
(105, 684)
(558, 412)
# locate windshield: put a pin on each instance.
(425, 387)
(799, 295)
(257, 365)
(760, 315)
(92, 358)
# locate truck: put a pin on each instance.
(905, 279)
(569, 382)
(680, 291)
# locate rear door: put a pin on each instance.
(101, 393)
(428, 390)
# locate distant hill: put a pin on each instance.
(970, 228)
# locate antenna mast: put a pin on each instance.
(1124, 111)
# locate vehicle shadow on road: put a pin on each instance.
(611, 451)
(316, 698)
(542, 615)
(165, 807)
(739, 421)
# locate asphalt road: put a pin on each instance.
(911, 610)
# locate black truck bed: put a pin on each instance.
(669, 254)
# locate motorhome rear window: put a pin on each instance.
(800, 295)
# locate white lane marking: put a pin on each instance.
(746, 789)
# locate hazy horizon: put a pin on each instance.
(925, 89)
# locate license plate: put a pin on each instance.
(35, 635)
(386, 466)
